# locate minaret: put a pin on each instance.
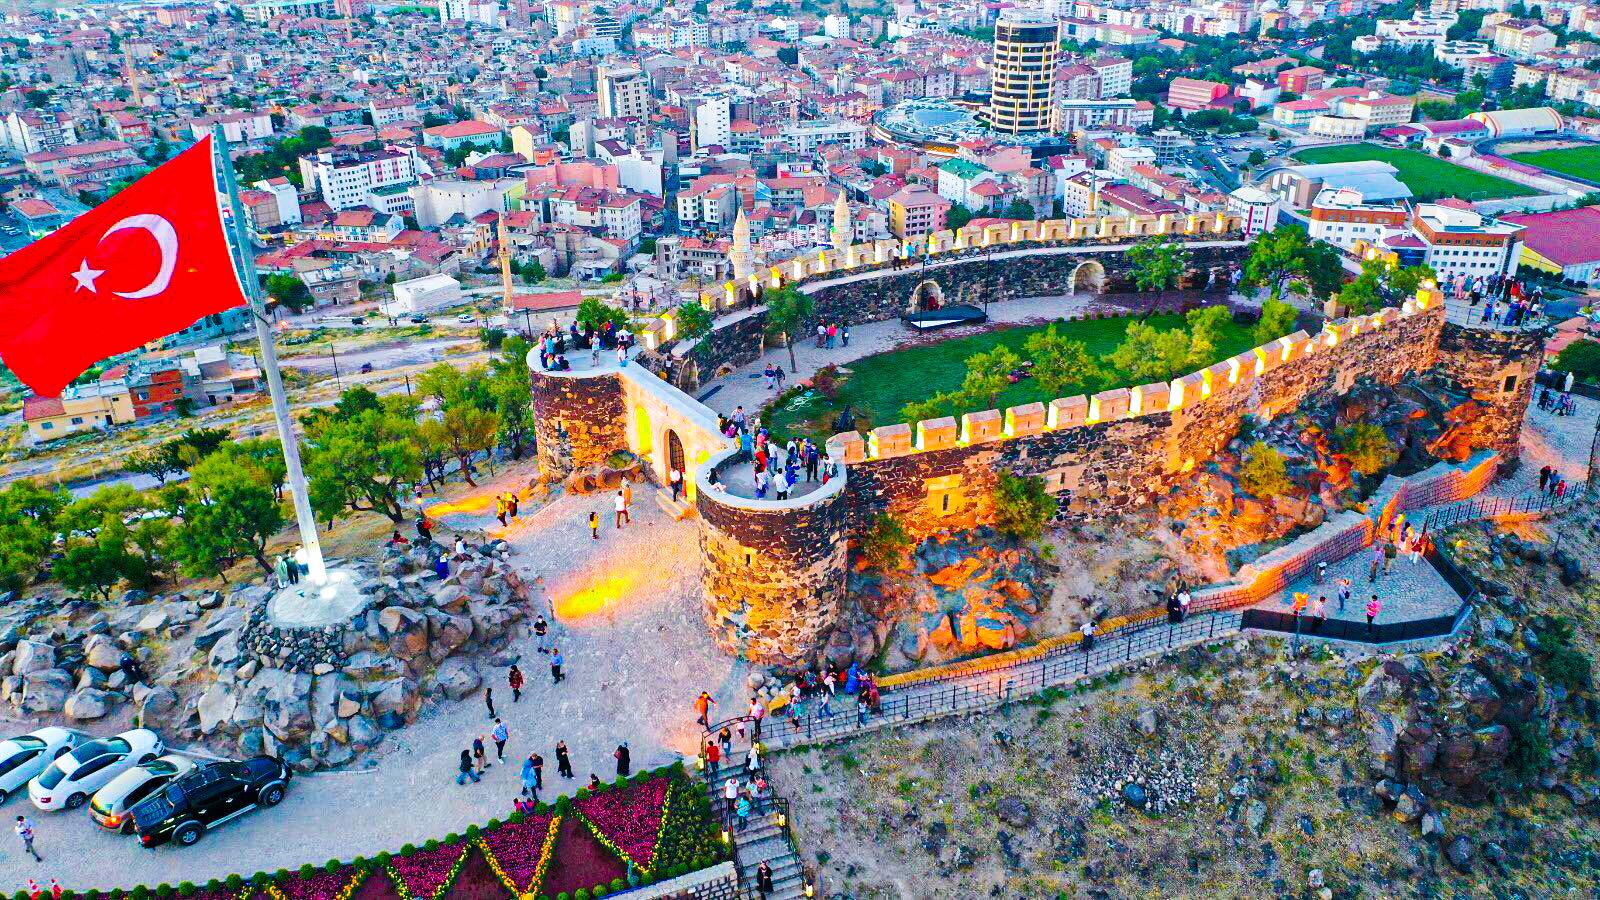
(740, 256)
(843, 234)
(132, 75)
(505, 263)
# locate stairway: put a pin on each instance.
(677, 509)
(761, 840)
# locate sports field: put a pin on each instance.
(1428, 177)
(1583, 162)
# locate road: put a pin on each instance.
(381, 357)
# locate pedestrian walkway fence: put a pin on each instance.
(1479, 508)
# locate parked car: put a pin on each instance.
(207, 797)
(465, 318)
(419, 319)
(25, 756)
(67, 782)
(110, 805)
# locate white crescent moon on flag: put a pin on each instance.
(166, 238)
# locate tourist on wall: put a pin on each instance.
(702, 709)
(624, 759)
(1373, 608)
(1088, 635)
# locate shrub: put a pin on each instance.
(307, 870)
(886, 542)
(826, 381)
(332, 866)
(234, 882)
(408, 849)
(185, 888)
(582, 894)
(693, 320)
(1022, 506)
(1368, 447)
(618, 884)
(1262, 472)
(1581, 358)
(472, 832)
(1530, 750)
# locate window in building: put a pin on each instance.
(1510, 385)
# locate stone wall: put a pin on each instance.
(719, 882)
(1495, 368)
(774, 571)
(577, 420)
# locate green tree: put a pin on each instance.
(787, 311)
(886, 542)
(1205, 331)
(198, 443)
(513, 396)
(1157, 263)
(1059, 361)
(1022, 506)
(1262, 472)
(989, 374)
(158, 462)
(947, 403)
(1403, 282)
(98, 547)
(1581, 358)
(957, 216)
(693, 320)
(1149, 354)
(1256, 158)
(1369, 449)
(28, 514)
(533, 272)
(595, 313)
(1020, 209)
(462, 431)
(1363, 293)
(363, 461)
(1277, 319)
(1287, 254)
(229, 514)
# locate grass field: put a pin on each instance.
(879, 386)
(1429, 177)
(1583, 162)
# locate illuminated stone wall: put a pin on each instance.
(1495, 368)
(577, 420)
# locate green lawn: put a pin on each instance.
(879, 386)
(1428, 177)
(1583, 162)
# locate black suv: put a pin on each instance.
(207, 797)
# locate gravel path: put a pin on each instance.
(636, 653)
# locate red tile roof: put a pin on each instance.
(1566, 237)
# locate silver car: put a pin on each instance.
(111, 805)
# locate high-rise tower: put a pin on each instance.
(741, 256)
(1023, 72)
(843, 232)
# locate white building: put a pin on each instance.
(438, 200)
(711, 119)
(624, 93)
(1082, 115)
(474, 12)
(259, 11)
(836, 26)
(1256, 207)
(346, 178)
(808, 137)
(421, 295)
(284, 197)
(237, 128)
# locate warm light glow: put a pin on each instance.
(1136, 402)
(597, 593)
(728, 292)
(777, 278)
(1233, 370)
(1205, 383)
(669, 327)
(1175, 397)
(1094, 411)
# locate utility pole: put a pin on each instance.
(294, 476)
(334, 348)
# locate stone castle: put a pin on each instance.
(774, 571)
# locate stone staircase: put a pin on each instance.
(677, 509)
(764, 839)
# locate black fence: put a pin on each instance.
(1495, 507)
(1346, 630)
(978, 688)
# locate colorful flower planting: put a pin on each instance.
(659, 822)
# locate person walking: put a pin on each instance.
(1088, 635)
(514, 681)
(624, 760)
(541, 630)
(1319, 614)
(1373, 608)
(555, 666)
(713, 758)
(292, 568)
(844, 335)
(676, 478)
(511, 504)
(501, 734)
(563, 761)
(530, 779)
(1390, 551)
(488, 700)
(280, 569)
(1544, 477)
(25, 833)
(702, 708)
(758, 712)
(480, 754)
(752, 760)
(1344, 592)
(730, 792)
(764, 879)
(741, 808)
(1377, 560)
(594, 524)
(538, 769)
(621, 505)
(467, 769)
(500, 510)
(1183, 604)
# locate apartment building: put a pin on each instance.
(1082, 115)
(624, 93)
(347, 178)
(29, 131)
(1342, 216)
(915, 211)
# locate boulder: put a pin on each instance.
(407, 630)
(101, 652)
(87, 704)
(225, 652)
(1014, 812)
(45, 690)
(449, 633)
(155, 703)
(32, 656)
(1145, 722)
(154, 620)
(215, 707)
(457, 678)
(1255, 816)
(363, 732)
(1134, 794)
(1459, 851)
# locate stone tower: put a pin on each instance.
(843, 232)
(741, 256)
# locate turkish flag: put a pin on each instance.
(150, 261)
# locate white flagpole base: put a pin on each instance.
(311, 604)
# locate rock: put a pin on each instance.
(225, 652)
(1459, 851)
(1314, 879)
(1013, 812)
(1146, 721)
(45, 690)
(102, 653)
(215, 707)
(348, 705)
(32, 656)
(457, 678)
(391, 720)
(155, 703)
(1255, 816)
(154, 620)
(211, 600)
(1383, 733)
(87, 704)
(1410, 806)
(1432, 825)
(1135, 795)
(364, 733)
(252, 742)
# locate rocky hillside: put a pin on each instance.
(1246, 770)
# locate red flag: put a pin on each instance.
(148, 262)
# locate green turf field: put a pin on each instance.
(1428, 177)
(1583, 162)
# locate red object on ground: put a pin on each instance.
(146, 263)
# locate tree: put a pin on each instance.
(787, 310)
(989, 374)
(1369, 449)
(1022, 506)
(1277, 318)
(957, 216)
(886, 542)
(1404, 282)
(1286, 253)
(1581, 358)
(462, 431)
(1157, 263)
(595, 313)
(98, 547)
(365, 460)
(1020, 209)
(513, 396)
(1262, 472)
(1256, 158)
(533, 272)
(1362, 293)
(229, 514)
(28, 514)
(1059, 361)
(693, 320)
(1150, 354)
(158, 462)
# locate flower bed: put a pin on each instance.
(659, 821)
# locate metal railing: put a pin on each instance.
(1495, 507)
(1347, 630)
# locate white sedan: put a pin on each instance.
(24, 756)
(110, 806)
(70, 780)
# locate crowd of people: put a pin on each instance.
(555, 344)
(776, 468)
(1505, 301)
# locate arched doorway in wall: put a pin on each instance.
(675, 455)
(1090, 277)
(926, 296)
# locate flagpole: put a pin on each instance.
(316, 571)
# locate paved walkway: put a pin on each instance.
(637, 652)
(1409, 592)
